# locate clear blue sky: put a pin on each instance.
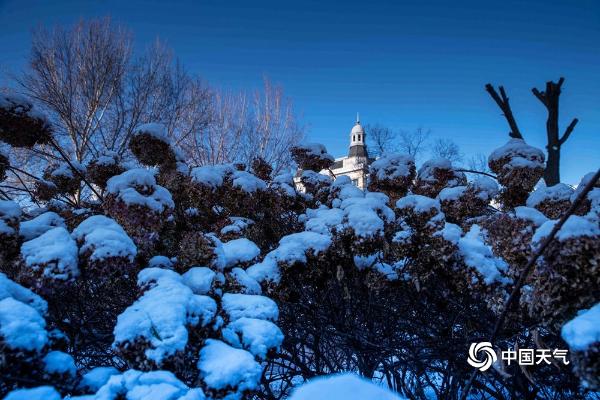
(402, 63)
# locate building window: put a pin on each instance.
(353, 138)
(359, 138)
(355, 182)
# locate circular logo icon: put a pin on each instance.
(489, 355)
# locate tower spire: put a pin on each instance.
(357, 118)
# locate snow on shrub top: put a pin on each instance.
(342, 387)
(557, 192)
(240, 251)
(390, 166)
(292, 248)
(104, 237)
(55, 252)
(12, 289)
(127, 187)
(9, 212)
(238, 305)
(40, 224)
(157, 131)
(421, 204)
(316, 150)
(199, 279)
(57, 362)
(21, 326)
(222, 366)
(485, 186)
(575, 226)
(154, 385)
(108, 158)
(20, 104)
(530, 214)
(520, 153)
(97, 377)
(211, 175)
(38, 393)
(247, 182)
(479, 256)
(451, 193)
(255, 335)
(450, 232)
(583, 330)
(366, 215)
(162, 314)
(322, 220)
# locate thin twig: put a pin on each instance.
(472, 171)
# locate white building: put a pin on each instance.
(356, 164)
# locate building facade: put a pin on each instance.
(356, 164)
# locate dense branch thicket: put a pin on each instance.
(226, 282)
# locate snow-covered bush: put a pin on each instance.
(582, 334)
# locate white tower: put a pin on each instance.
(357, 140)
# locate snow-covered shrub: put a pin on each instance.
(21, 125)
(101, 169)
(151, 146)
(518, 167)
(4, 163)
(312, 156)
(64, 178)
(39, 225)
(10, 216)
(105, 250)
(462, 202)
(553, 201)
(342, 387)
(435, 175)
(568, 277)
(582, 334)
(392, 174)
(139, 205)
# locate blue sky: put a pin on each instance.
(403, 63)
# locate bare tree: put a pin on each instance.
(413, 142)
(446, 148)
(550, 99)
(381, 139)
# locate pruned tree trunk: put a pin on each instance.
(550, 99)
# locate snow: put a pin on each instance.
(317, 150)
(105, 238)
(365, 216)
(199, 279)
(267, 270)
(293, 248)
(247, 182)
(157, 131)
(342, 387)
(574, 227)
(451, 193)
(160, 262)
(315, 178)
(54, 251)
(255, 335)
(127, 185)
(107, 158)
(97, 377)
(583, 330)
(9, 209)
(520, 153)
(38, 393)
(22, 326)
(479, 256)
(551, 193)
(9, 212)
(420, 204)
(57, 362)
(155, 385)
(240, 251)
(323, 220)
(39, 225)
(222, 366)
(211, 175)
(346, 188)
(530, 214)
(20, 104)
(487, 187)
(391, 166)
(162, 314)
(238, 224)
(249, 284)
(450, 232)
(12, 289)
(238, 305)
